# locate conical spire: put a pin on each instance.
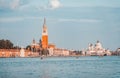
(44, 22)
(44, 30)
(33, 41)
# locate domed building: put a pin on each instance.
(97, 49)
(43, 43)
(35, 46)
(98, 46)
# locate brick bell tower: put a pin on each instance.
(44, 36)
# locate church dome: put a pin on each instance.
(98, 45)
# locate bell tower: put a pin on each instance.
(44, 36)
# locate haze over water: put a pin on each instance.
(60, 67)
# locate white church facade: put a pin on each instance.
(96, 50)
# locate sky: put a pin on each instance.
(72, 24)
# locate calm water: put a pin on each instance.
(62, 67)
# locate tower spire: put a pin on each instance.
(44, 35)
(44, 22)
(33, 41)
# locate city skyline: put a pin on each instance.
(71, 24)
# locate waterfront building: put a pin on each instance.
(118, 51)
(97, 49)
(9, 52)
(53, 51)
(35, 46)
(15, 53)
(60, 52)
(43, 43)
(22, 52)
(51, 48)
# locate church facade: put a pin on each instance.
(96, 49)
(45, 45)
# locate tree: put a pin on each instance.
(6, 44)
(28, 47)
(16, 47)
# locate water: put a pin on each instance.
(60, 67)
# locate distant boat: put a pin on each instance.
(77, 57)
(41, 57)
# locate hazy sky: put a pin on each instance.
(72, 24)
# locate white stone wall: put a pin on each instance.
(50, 51)
(22, 52)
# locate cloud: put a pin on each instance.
(54, 4)
(80, 20)
(15, 4)
(29, 5)
(9, 4)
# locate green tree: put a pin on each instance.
(28, 47)
(6, 44)
(16, 47)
